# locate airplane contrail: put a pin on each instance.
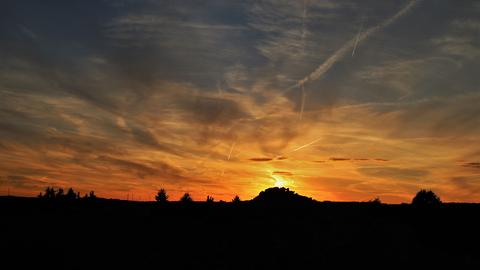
(358, 36)
(340, 53)
(219, 89)
(304, 17)
(231, 149)
(305, 145)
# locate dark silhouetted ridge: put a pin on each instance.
(281, 196)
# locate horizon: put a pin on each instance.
(208, 199)
(336, 100)
(133, 198)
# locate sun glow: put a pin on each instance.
(279, 181)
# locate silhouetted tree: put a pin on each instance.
(186, 198)
(236, 199)
(71, 195)
(210, 199)
(426, 198)
(59, 193)
(92, 195)
(89, 196)
(161, 196)
(40, 195)
(49, 193)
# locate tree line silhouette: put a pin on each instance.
(59, 194)
(162, 197)
(423, 198)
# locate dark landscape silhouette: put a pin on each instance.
(277, 228)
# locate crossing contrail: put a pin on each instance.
(358, 36)
(304, 32)
(340, 53)
(302, 105)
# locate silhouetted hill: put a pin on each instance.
(281, 196)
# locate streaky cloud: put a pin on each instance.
(340, 53)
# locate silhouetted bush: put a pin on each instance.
(186, 198)
(236, 199)
(161, 196)
(375, 201)
(426, 198)
(210, 199)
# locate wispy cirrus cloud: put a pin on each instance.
(156, 93)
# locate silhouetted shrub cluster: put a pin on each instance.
(426, 198)
(59, 194)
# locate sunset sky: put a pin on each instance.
(338, 100)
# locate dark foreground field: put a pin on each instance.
(113, 234)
